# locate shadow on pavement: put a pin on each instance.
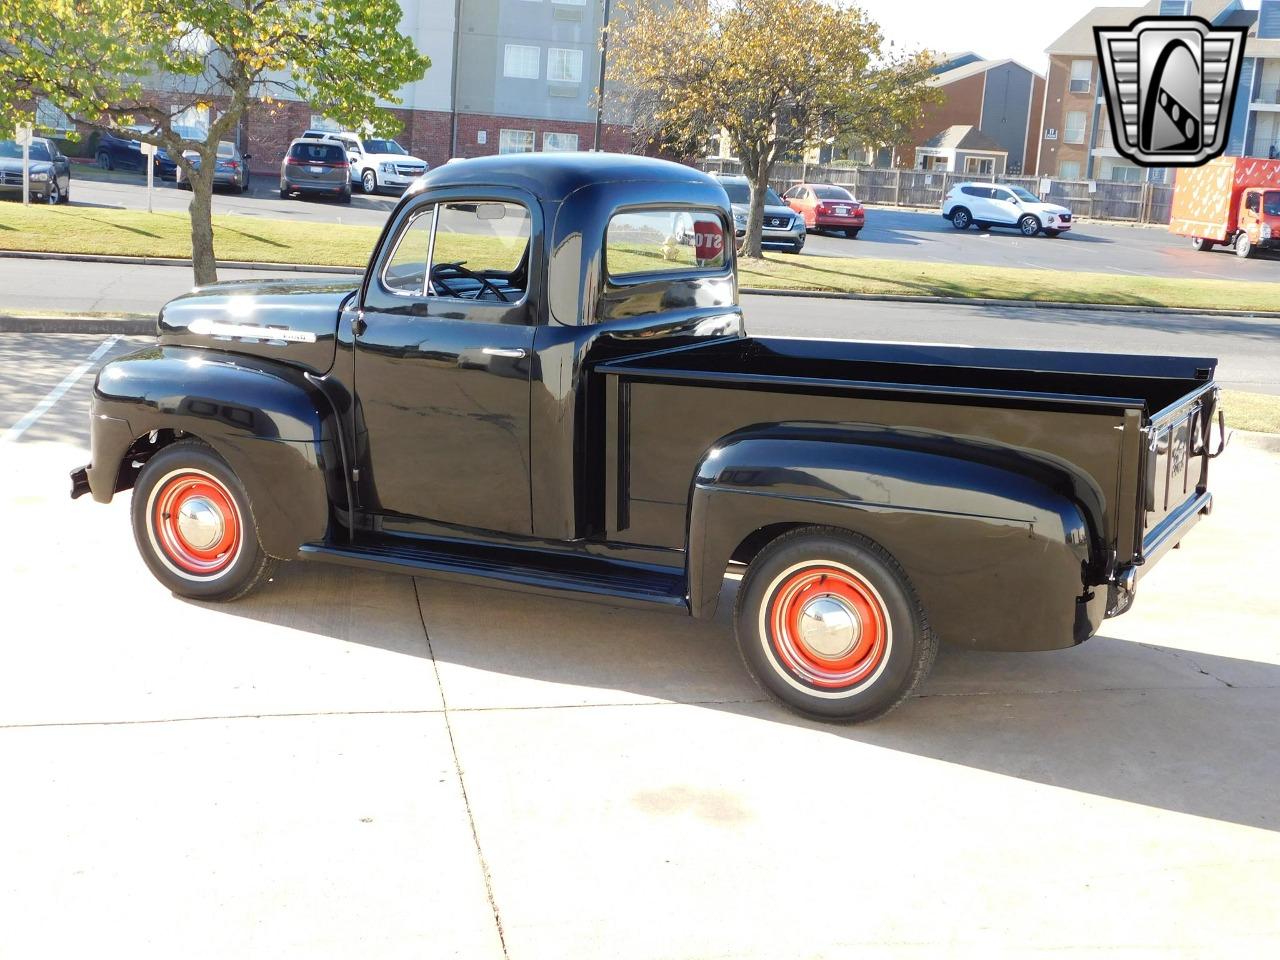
(1133, 722)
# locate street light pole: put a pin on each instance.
(604, 53)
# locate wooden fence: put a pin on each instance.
(1099, 199)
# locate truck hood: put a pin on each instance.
(290, 321)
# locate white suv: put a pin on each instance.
(994, 205)
(376, 164)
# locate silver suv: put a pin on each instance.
(316, 167)
(782, 225)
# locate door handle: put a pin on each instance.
(516, 354)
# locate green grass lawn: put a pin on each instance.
(1259, 412)
(135, 233)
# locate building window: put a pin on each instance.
(571, 3)
(564, 66)
(515, 141)
(982, 165)
(1069, 170)
(521, 62)
(1175, 8)
(1125, 173)
(1074, 131)
(1081, 75)
(559, 142)
(50, 118)
(197, 117)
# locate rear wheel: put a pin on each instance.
(1244, 246)
(346, 196)
(194, 527)
(828, 623)
(104, 160)
(1029, 225)
(284, 192)
(1200, 244)
(853, 234)
(961, 218)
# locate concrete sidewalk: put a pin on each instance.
(356, 765)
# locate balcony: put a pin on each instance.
(1265, 148)
(1267, 97)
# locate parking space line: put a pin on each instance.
(53, 396)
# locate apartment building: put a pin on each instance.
(1075, 138)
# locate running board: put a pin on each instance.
(577, 576)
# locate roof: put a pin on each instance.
(553, 176)
(971, 70)
(944, 60)
(1078, 39)
(962, 136)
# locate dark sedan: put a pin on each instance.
(49, 172)
(121, 153)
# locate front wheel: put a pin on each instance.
(961, 219)
(194, 527)
(828, 623)
(1029, 225)
(369, 182)
(104, 160)
(55, 192)
(797, 246)
(1244, 246)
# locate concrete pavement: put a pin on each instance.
(352, 764)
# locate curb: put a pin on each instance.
(995, 302)
(178, 262)
(125, 326)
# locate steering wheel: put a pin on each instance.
(458, 270)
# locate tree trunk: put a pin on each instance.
(203, 261)
(758, 176)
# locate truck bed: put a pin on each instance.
(1136, 426)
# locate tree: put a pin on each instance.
(775, 75)
(115, 63)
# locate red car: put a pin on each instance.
(826, 206)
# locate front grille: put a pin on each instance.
(1065, 218)
(776, 221)
(11, 177)
(406, 170)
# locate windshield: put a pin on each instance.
(1024, 195)
(739, 192)
(226, 148)
(10, 150)
(1271, 203)
(832, 192)
(384, 146)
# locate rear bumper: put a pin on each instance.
(840, 223)
(306, 186)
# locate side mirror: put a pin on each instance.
(248, 156)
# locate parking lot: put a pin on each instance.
(891, 233)
(351, 764)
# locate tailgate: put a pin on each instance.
(1181, 441)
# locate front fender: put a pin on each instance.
(273, 426)
(998, 546)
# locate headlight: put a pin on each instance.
(388, 168)
(798, 223)
(39, 177)
(740, 219)
(1266, 231)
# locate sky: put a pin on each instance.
(995, 29)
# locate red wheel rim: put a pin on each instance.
(195, 523)
(827, 626)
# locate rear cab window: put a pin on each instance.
(833, 193)
(665, 240)
(318, 152)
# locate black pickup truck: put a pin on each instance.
(543, 381)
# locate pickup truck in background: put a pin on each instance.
(543, 381)
(1233, 201)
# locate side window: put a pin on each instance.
(1252, 202)
(663, 241)
(476, 250)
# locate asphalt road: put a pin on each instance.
(350, 764)
(1249, 348)
(891, 233)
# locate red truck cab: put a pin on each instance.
(1233, 201)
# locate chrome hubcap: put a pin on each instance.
(200, 523)
(829, 627)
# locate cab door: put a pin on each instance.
(1004, 207)
(443, 363)
(1251, 214)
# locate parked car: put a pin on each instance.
(121, 153)
(826, 206)
(781, 224)
(987, 205)
(376, 163)
(534, 386)
(1233, 201)
(48, 171)
(232, 169)
(316, 167)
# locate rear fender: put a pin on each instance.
(998, 542)
(272, 424)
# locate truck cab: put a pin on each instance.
(543, 381)
(1259, 220)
